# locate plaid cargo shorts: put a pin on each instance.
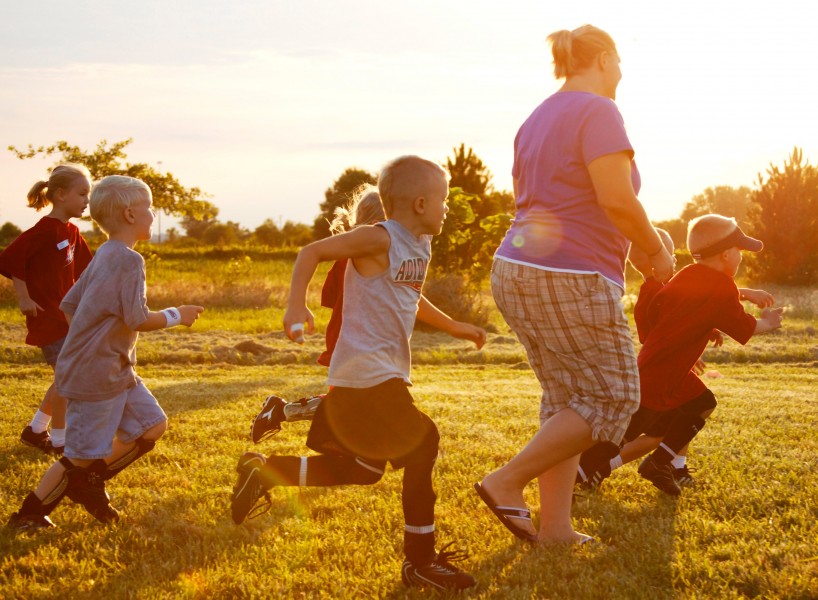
(576, 334)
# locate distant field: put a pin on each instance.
(747, 530)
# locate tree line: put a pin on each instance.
(781, 210)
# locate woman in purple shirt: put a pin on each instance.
(558, 279)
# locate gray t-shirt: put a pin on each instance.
(108, 303)
(379, 314)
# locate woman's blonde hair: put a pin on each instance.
(112, 195)
(365, 208)
(62, 177)
(576, 50)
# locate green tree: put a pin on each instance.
(169, 195)
(468, 172)
(8, 233)
(784, 215)
(722, 200)
(338, 195)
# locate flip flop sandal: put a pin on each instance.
(505, 514)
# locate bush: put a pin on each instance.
(454, 296)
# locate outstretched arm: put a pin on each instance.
(432, 315)
(760, 298)
(769, 320)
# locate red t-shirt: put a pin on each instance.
(49, 257)
(640, 309)
(332, 296)
(680, 320)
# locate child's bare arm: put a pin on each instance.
(367, 246)
(27, 306)
(432, 315)
(769, 320)
(760, 298)
(186, 314)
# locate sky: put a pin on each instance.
(264, 104)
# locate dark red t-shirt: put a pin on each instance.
(332, 296)
(640, 309)
(680, 321)
(49, 257)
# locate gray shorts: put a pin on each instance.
(578, 342)
(52, 351)
(90, 426)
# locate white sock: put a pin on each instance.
(40, 422)
(57, 437)
(679, 461)
(616, 462)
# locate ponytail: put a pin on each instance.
(38, 196)
(364, 208)
(574, 51)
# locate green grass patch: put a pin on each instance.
(747, 529)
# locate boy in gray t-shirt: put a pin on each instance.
(111, 418)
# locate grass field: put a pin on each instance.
(748, 529)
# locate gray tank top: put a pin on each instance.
(379, 314)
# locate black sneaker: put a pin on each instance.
(29, 522)
(683, 476)
(87, 487)
(268, 421)
(249, 499)
(660, 475)
(595, 465)
(439, 573)
(41, 441)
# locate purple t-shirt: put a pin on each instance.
(558, 224)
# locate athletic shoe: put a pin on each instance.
(268, 421)
(683, 476)
(29, 522)
(41, 441)
(595, 465)
(660, 475)
(249, 499)
(439, 573)
(87, 487)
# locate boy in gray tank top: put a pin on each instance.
(369, 417)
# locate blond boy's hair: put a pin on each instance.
(575, 51)
(62, 177)
(365, 208)
(112, 195)
(407, 178)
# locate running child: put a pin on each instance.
(369, 418)
(43, 263)
(112, 418)
(675, 322)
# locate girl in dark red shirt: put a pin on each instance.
(43, 263)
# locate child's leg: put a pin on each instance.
(126, 453)
(637, 448)
(276, 410)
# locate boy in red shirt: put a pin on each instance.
(675, 323)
